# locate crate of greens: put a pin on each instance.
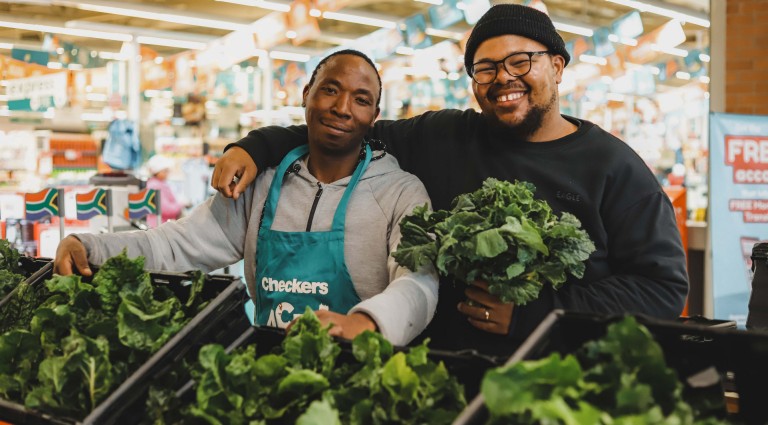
(306, 376)
(16, 268)
(74, 341)
(500, 234)
(577, 368)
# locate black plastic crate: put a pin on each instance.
(739, 357)
(468, 365)
(227, 296)
(34, 269)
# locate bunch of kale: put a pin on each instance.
(11, 273)
(500, 234)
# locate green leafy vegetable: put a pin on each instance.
(621, 378)
(306, 382)
(11, 273)
(72, 342)
(500, 234)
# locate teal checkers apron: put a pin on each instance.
(299, 269)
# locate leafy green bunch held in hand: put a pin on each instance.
(304, 382)
(621, 378)
(10, 272)
(500, 234)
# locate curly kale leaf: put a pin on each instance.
(500, 234)
(11, 273)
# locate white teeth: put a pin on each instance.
(508, 97)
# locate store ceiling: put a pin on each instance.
(68, 13)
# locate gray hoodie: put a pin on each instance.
(400, 302)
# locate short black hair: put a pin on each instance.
(348, 52)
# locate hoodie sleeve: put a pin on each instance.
(211, 237)
(405, 308)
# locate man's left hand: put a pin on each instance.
(346, 326)
(489, 313)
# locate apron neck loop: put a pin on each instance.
(340, 216)
(274, 190)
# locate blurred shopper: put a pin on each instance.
(516, 60)
(159, 166)
(315, 231)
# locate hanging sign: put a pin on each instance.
(37, 93)
(446, 14)
(739, 207)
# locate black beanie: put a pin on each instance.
(515, 19)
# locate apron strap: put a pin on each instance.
(270, 206)
(340, 216)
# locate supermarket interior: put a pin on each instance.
(207, 72)
(114, 114)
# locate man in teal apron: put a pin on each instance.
(316, 231)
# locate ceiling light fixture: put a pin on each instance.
(289, 56)
(169, 42)
(270, 5)
(444, 34)
(156, 14)
(680, 14)
(670, 50)
(6, 46)
(55, 29)
(573, 28)
(357, 18)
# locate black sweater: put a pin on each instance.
(639, 265)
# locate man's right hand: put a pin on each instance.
(71, 252)
(235, 163)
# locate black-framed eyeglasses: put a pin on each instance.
(517, 64)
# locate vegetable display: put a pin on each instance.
(500, 234)
(67, 344)
(10, 272)
(306, 381)
(621, 378)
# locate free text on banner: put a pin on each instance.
(739, 207)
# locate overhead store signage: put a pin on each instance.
(37, 93)
(445, 14)
(299, 21)
(738, 163)
(30, 56)
(416, 32)
(229, 50)
(380, 43)
(474, 9)
(628, 26)
(270, 30)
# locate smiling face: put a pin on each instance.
(341, 105)
(524, 104)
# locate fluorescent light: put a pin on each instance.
(573, 28)
(110, 55)
(652, 7)
(443, 33)
(360, 19)
(55, 65)
(435, 2)
(626, 41)
(75, 66)
(160, 14)
(290, 34)
(270, 5)
(595, 60)
(289, 56)
(54, 29)
(315, 13)
(6, 46)
(404, 50)
(168, 42)
(704, 79)
(683, 75)
(670, 50)
(704, 57)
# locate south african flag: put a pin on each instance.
(91, 204)
(42, 204)
(142, 203)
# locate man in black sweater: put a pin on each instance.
(516, 60)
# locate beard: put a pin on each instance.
(531, 122)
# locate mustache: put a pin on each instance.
(512, 85)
